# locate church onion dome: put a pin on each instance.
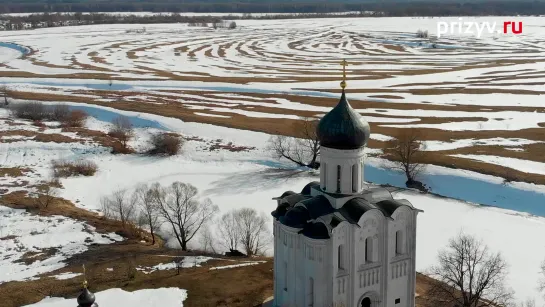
(86, 298)
(315, 231)
(296, 217)
(306, 190)
(343, 127)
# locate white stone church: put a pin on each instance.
(339, 243)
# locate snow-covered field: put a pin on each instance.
(224, 176)
(164, 297)
(464, 89)
(31, 244)
(466, 92)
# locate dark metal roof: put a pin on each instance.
(280, 210)
(296, 217)
(86, 298)
(294, 199)
(355, 208)
(308, 187)
(318, 206)
(335, 221)
(315, 231)
(287, 193)
(343, 127)
(389, 206)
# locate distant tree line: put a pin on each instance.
(390, 8)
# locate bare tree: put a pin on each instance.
(120, 206)
(47, 194)
(207, 240)
(527, 303)
(229, 233)
(4, 92)
(303, 149)
(122, 130)
(542, 280)
(405, 150)
(179, 207)
(254, 235)
(149, 215)
(469, 275)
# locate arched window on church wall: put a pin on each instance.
(340, 257)
(369, 249)
(285, 275)
(354, 178)
(310, 298)
(324, 183)
(338, 179)
(399, 242)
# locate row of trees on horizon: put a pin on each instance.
(389, 8)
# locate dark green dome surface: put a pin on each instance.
(343, 127)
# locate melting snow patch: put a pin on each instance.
(66, 275)
(25, 236)
(236, 265)
(187, 262)
(164, 297)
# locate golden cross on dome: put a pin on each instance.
(84, 278)
(343, 83)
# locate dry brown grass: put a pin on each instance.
(64, 169)
(14, 171)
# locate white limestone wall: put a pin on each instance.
(369, 277)
(342, 277)
(351, 163)
(305, 258)
(401, 266)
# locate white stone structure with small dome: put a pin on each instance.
(340, 242)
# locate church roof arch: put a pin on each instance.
(316, 230)
(356, 207)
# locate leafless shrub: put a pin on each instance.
(30, 110)
(121, 207)
(122, 130)
(302, 150)
(119, 148)
(47, 193)
(469, 275)
(180, 208)
(60, 112)
(63, 168)
(75, 118)
(422, 34)
(166, 144)
(405, 152)
(232, 25)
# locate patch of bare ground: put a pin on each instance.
(398, 48)
(386, 96)
(21, 200)
(14, 171)
(95, 58)
(441, 159)
(243, 286)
